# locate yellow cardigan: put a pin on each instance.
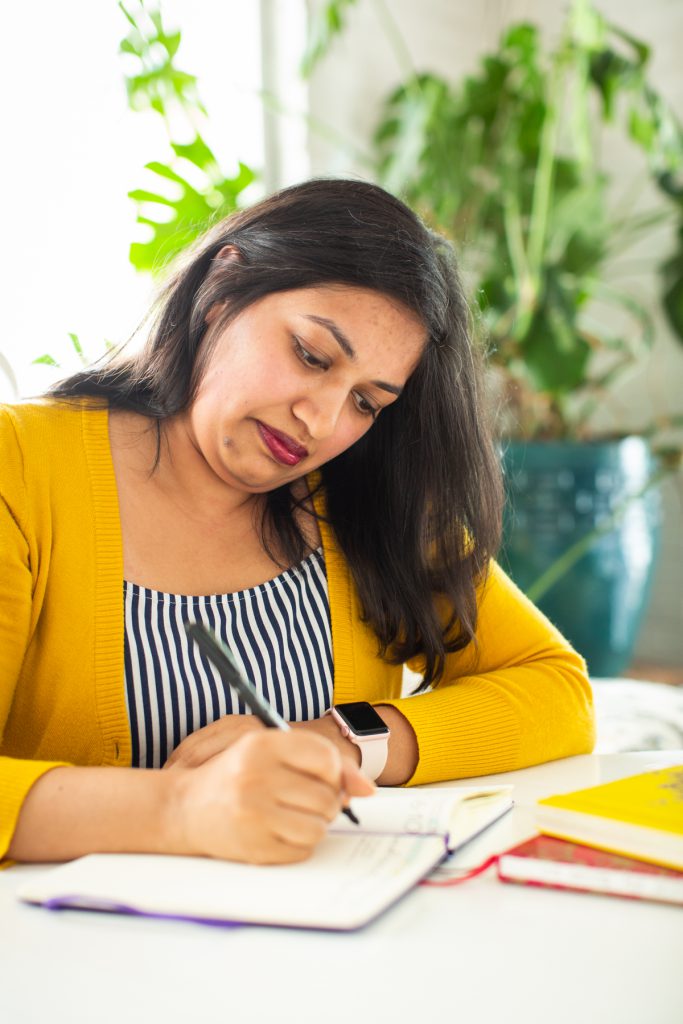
(522, 698)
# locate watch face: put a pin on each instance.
(362, 719)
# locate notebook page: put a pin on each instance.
(347, 882)
(474, 815)
(420, 811)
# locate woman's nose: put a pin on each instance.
(320, 412)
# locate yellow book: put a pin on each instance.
(640, 816)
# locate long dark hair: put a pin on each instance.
(415, 503)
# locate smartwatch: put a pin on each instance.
(360, 723)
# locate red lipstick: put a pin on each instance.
(281, 446)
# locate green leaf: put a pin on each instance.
(230, 188)
(523, 39)
(640, 49)
(142, 195)
(172, 43)
(129, 17)
(588, 26)
(130, 45)
(418, 133)
(673, 303)
(577, 232)
(193, 211)
(157, 82)
(555, 355)
(77, 347)
(49, 360)
(164, 171)
(159, 85)
(323, 26)
(197, 152)
(641, 129)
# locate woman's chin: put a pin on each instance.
(262, 481)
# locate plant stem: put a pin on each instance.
(542, 195)
(403, 56)
(515, 243)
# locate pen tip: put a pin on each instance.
(351, 816)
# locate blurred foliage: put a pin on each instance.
(507, 162)
(174, 210)
(327, 23)
(672, 269)
(75, 351)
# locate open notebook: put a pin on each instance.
(355, 873)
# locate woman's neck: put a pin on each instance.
(165, 459)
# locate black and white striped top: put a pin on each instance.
(279, 631)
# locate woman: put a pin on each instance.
(298, 458)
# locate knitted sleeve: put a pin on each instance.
(16, 590)
(518, 697)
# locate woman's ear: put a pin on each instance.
(229, 254)
(214, 312)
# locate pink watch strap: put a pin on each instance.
(374, 750)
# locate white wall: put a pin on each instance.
(449, 37)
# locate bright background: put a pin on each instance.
(71, 150)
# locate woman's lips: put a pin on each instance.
(281, 446)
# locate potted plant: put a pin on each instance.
(507, 163)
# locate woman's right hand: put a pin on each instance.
(267, 799)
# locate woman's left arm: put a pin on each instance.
(519, 697)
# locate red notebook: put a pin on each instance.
(559, 864)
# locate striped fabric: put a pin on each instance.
(279, 631)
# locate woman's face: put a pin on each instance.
(297, 378)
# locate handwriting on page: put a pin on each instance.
(370, 865)
(423, 812)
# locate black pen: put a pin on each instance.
(222, 659)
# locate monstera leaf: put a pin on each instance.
(189, 190)
(191, 210)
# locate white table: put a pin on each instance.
(479, 953)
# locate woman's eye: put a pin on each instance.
(364, 407)
(307, 358)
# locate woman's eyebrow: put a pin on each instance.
(348, 349)
(336, 332)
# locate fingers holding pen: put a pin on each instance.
(269, 798)
(333, 777)
(313, 754)
(329, 783)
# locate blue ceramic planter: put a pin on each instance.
(557, 492)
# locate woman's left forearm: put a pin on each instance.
(403, 749)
